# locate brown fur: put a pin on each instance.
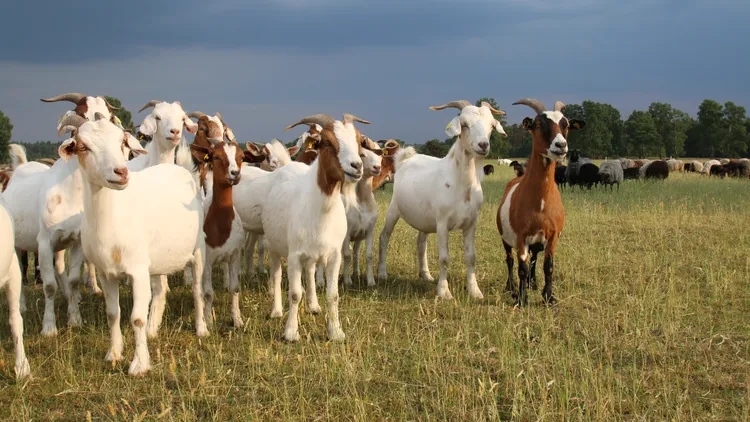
(388, 166)
(312, 143)
(527, 219)
(4, 179)
(330, 173)
(218, 223)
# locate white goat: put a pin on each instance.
(439, 195)
(10, 279)
(276, 156)
(164, 126)
(49, 221)
(304, 219)
(138, 226)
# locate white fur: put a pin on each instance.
(277, 155)
(555, 116)
(49, 222)
(10, 279)
(165, 118)
(305, 225)
(17, 155)
(509, 236)
(439, 195)
(146, 226)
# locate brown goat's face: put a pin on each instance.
(211, 126)
(225, 159)
(550, 133)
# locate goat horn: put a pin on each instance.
(316, 119)
(460, 104)
(196, 114)
(73, 97)
(349, 118)
(98, 116)
(149, 105)
(72, 121)
(219, 116)
(534, 104)
(110, 106)
(492, 109)
(559, 105)
(66, 128)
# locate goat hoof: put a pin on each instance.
(336, 335)
(276, 314)
(239, 323)
(49, 331)
(426, 277)
(371, 282)
(533, 285)
(74, 320)
(382, 275)
(445, 295)
(113, 356)
(202, 332)
(550, 301)
(314, 309)
(138, 368)
(476, 294)
(291, 336)
(22, 369)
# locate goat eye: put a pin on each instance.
(84, 147)
(157, 118)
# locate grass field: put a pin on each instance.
(653, 323)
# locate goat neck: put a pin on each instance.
(218, 223)
(464, 160)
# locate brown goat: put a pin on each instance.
(530, 217)
(390, 148)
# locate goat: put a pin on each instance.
(308, 144)
(588, 175)
(10, 279)
(304, 219)
(390, 148)
(518, 168)
(140, 225)
(632, 173)
(674, 165)
(656, 170)
(489, 169)
(718, 170)
(276, 154)
(694, 166)
(48, 221)
(737, 168)
(443, 194)
(530, 217)
(225, 234)
(504, 161)
(708, 164)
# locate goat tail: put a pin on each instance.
(17, 155)
(402, 155)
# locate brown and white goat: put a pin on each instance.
(530, 217)
(308, 143)
(390, 148)
(225, 235)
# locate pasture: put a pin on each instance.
(652, 323)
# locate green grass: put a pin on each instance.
(652, 323)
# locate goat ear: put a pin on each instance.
(528, 123)
(229, 135)
(201, 153)
(576, 124)
(148, 127)
(135, 147)
(253, 149)
(499, 127)
(454, 127)
(190, 125)
(292, 150)
(266, 150)
(67, 149)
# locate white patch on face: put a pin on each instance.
(231, 152)
(346, 135)
(509, 236)
(541, 208)
(219, 123)
(318, 128)
(558, 147)
(97, 105)
(371, 161)
(555, 116)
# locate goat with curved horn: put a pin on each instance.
(98, 116)
(559, 105)
(460, 104)
(536, 105)
(492, 109)
(110, 106)
(196, 114)
(73, 121)
(149, 104)
(349, 118)
(315, 119)
(73, 97)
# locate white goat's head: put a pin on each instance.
(372, 157)
(339, 147)
(100, 148)
(477, 122)
(277, 155)
(86, 108)
(165, 123)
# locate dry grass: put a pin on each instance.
(652, 324)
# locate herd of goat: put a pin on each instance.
(583, 172)
(112, 210)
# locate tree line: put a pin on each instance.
(720, 130)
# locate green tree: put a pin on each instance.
(499, 145)
(641, 135)
(602, 123)
(672, 125)
(734, 143)
(705, 138)
(122, 114)
(6, 130)
(520, 140)
(435, 148)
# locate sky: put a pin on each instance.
(266, 64)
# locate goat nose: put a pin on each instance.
(484, 145)
(357, 165)
(175, 131)
(235, 173)
(122, 172)
(561, 144)
(377, 168)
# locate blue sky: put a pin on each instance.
(266, 64)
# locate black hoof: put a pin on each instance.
(533, 285)
(550, 301)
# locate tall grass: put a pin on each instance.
(652, 323)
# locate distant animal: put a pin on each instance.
(657, 170)
(738, 168)
(588, 175)
(611, 173)
(693, 166)
(489, 169)
(503, 161)
(632, 173)
(575, 160)
(560, 178)
(519, 168)
(718, 170)
(674, 165)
